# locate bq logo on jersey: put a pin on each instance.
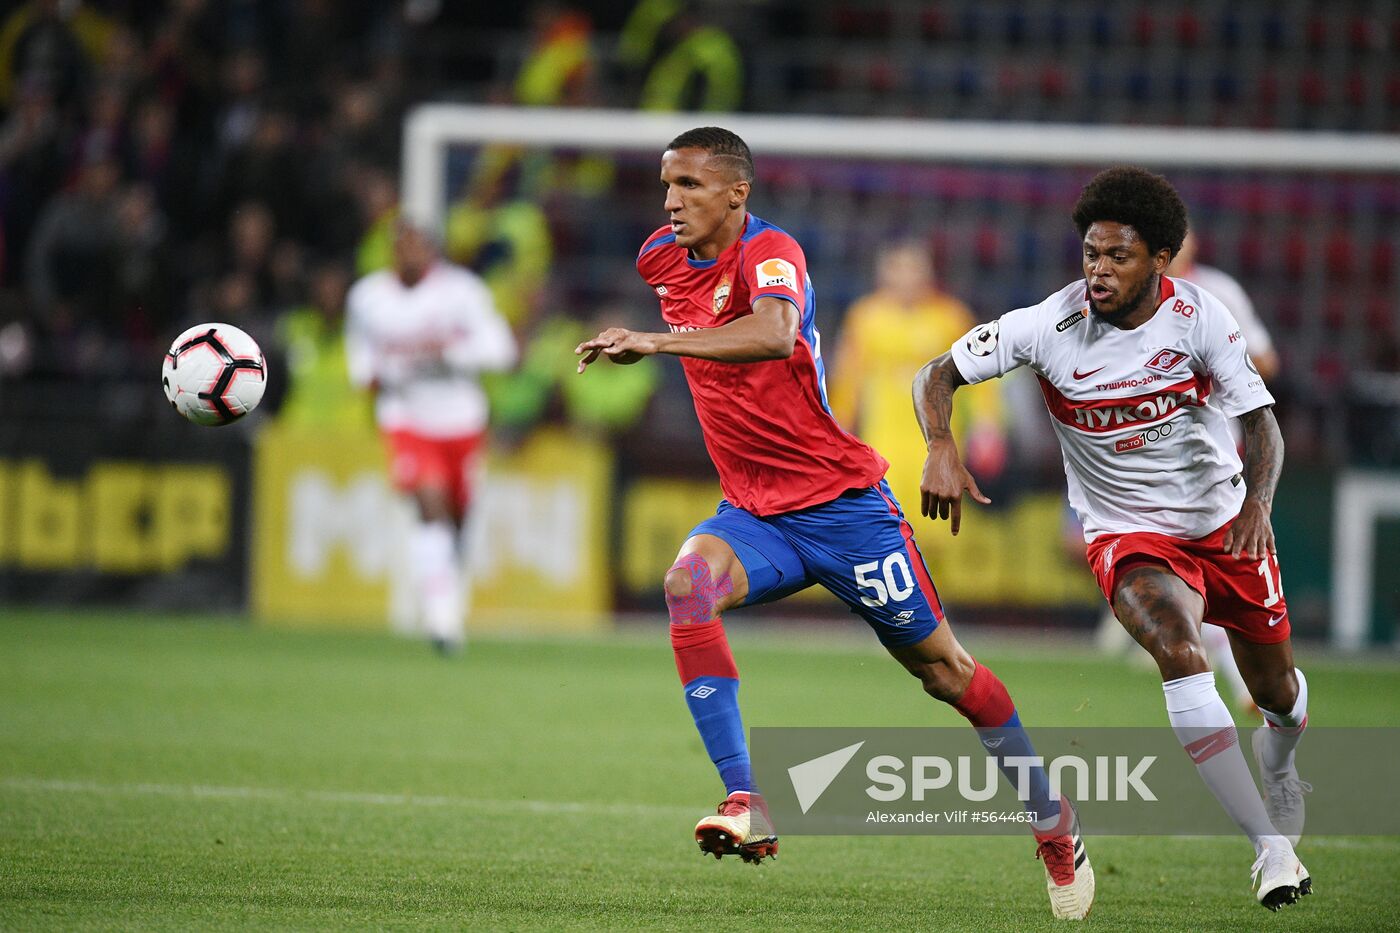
(775, 271)
(721, 294)
(1166, 360)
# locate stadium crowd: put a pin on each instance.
(166, 163)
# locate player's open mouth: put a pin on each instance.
(1100, 292)
(677, 225)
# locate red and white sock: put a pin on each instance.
(1285, 732)
(1203, 724)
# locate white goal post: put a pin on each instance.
(432, 129)
(1362, 500)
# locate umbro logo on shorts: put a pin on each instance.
(701, 692)
(904, 618)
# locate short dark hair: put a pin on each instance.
(718, 141)
(1146, 202)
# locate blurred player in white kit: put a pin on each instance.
(417, 335)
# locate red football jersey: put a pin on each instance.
(767, 425)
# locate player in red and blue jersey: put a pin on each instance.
(804, 502)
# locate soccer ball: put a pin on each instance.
(214, 374)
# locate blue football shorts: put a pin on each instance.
(859, 546)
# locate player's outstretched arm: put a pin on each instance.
(1252, 534)
(768, 334)
(945, 478)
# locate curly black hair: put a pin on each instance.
(1146, 202)
(718, 141)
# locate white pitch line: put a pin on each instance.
(220, 792)
(554, 807)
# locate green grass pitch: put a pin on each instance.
(181, 774)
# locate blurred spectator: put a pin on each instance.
(886, 337)
(32, 146)
(50, 43)
(680, 59)
(73, 255)
(252, 230)
(544, 386)
(377, 199)
(267, 169)
(312, 336)
(560, 66)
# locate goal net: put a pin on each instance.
(556, 202)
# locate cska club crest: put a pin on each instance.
(721, 294)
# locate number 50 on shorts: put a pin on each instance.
(889, 580)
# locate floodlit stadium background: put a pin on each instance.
(164, 164)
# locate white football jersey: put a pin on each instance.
(423, 346)
(1142, 449)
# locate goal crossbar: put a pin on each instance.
(430, 129)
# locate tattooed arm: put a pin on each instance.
(1252, 536)
(945, 478)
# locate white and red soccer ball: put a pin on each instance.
(214, 374)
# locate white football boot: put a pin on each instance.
(1281, 877)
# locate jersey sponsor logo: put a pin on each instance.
(1139, 441)
(1166, 359)
(776, 271)
(1072, 320)
(983, 340)
(661, 290)
(1079, 375)
(1183, 309)
(1104, 415)
(1236, 336)
(721, 294)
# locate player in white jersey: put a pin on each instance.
(1178, 528)
(417, 335)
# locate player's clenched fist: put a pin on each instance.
(618, 344)
(944, 481)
